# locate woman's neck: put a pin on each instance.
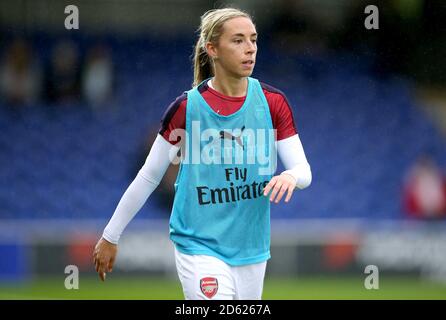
(232, 87)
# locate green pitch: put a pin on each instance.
(165, 289)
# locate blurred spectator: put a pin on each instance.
(20, 77)
(97, 80)
(63, 77)
(425, 190)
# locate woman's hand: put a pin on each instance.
(104, 256)
(279, 185)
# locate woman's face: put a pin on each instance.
(237, 48)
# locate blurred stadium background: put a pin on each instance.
(79, 110)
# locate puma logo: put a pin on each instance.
(230, 136)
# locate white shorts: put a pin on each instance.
(205, 277)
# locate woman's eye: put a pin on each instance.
(238, 41)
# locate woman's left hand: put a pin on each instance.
(279, 185)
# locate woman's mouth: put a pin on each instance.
(248, 64)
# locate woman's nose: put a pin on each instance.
(251, 47)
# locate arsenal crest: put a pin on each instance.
(209, 286)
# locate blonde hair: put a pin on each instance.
(210, 30)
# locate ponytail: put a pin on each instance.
(202, 65)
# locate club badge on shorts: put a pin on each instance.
(209, 286)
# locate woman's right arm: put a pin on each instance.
(146, 181)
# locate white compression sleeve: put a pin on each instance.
(146, 181)
(292, 154)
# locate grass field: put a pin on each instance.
(283, 289)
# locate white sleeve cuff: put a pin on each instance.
(293, 157)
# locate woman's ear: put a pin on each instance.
(212, 51)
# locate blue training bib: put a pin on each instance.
(219, 208)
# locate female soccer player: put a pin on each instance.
(220, 221)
